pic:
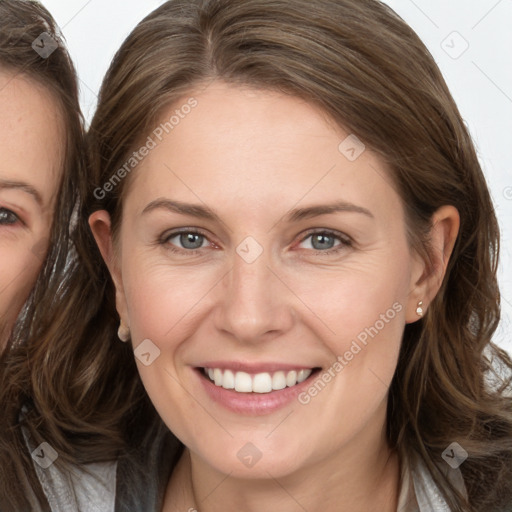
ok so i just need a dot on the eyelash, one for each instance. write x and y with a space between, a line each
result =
8 212
344 239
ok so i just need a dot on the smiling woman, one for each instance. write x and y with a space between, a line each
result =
317 226
41 147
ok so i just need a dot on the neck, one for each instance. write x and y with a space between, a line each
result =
346 482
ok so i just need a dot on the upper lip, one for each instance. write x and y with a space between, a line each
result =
254 368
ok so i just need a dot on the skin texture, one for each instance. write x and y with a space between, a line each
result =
31 137
252 156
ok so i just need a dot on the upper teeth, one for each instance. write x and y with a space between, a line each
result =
259 383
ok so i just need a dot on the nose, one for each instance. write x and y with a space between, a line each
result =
255 305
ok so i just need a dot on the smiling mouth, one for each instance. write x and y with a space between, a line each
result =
264 382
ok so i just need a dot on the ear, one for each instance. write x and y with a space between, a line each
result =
100 225
427 275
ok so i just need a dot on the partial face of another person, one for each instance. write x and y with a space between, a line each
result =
31 142
256 253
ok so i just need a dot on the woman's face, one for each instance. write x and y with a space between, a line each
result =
31 138
261 244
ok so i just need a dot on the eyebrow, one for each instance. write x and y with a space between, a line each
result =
194 210
325 209
25 187
204 212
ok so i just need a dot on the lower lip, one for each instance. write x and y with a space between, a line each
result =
252 404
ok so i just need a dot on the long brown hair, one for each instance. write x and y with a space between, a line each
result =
22 24
360 63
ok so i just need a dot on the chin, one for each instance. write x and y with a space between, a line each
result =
253 460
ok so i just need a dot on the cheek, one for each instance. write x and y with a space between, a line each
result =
362 313
360 300
163 299
351 390
163 306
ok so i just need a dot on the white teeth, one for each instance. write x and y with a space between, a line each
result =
262 383
303 375
217 377
259 383
228 381
291 378
278 380
243 382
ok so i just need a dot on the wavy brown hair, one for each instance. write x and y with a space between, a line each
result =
367 69
21 22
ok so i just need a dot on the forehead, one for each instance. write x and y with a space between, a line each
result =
31 133
262 147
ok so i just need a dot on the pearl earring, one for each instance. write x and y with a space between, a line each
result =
123 333
419 309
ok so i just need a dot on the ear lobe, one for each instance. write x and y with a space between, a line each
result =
443 235
100 225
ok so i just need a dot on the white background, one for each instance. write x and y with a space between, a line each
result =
480 79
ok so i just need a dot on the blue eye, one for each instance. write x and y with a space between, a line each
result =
322 241
186 241
325 242
8 218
